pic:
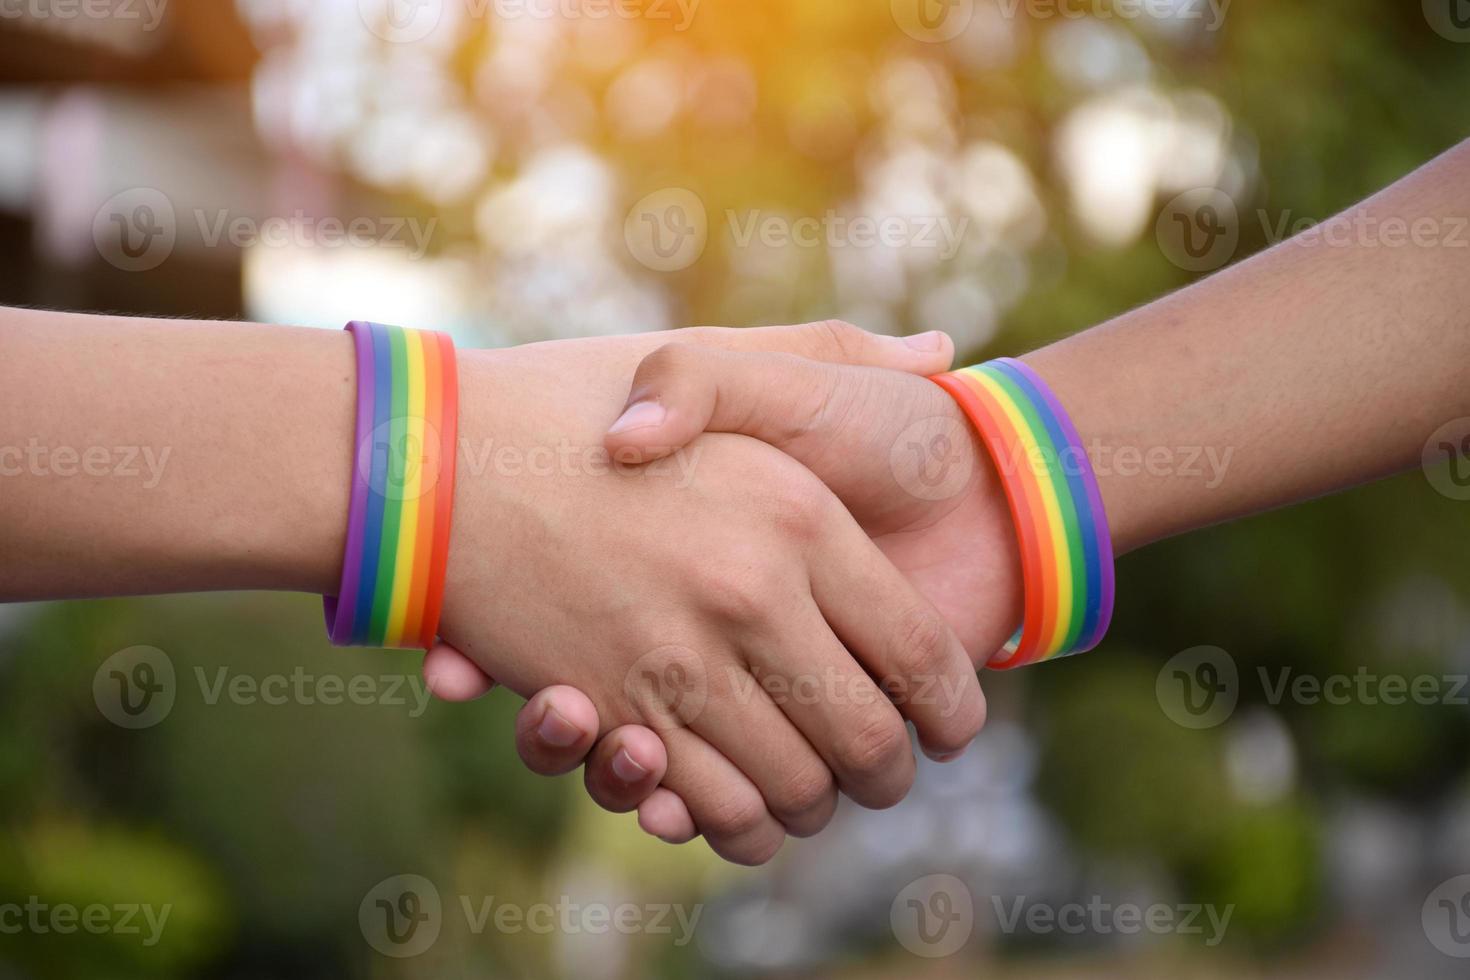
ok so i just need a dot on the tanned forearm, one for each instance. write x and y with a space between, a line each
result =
1319 364
146 456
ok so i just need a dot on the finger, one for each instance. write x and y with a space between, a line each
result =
726 806
743 720
625 767
451 676
835 342
555 730
838 708
898 635
665 816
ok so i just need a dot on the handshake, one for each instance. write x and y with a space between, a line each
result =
728 642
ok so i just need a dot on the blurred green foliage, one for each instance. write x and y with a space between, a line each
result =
264 825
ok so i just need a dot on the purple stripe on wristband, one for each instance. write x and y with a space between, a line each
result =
339 614
1103 535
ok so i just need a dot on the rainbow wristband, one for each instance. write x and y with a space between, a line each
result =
1066 550
402 490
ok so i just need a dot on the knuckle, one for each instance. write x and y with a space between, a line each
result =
840 340
922 644
668 360
737 597
877 746
806 791
738 816
799 509
953 733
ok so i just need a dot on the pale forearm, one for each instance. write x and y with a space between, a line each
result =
1322 363
145 456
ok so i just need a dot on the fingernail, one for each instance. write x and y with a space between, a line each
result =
556 730
639 415
626 769
927 342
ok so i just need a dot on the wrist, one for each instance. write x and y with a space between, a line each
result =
401 489
301 451
1144 496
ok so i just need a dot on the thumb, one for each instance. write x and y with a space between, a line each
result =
676 391
682 390
451 676
870 435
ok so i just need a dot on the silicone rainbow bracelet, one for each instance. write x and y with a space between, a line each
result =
1066 550
402 490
